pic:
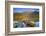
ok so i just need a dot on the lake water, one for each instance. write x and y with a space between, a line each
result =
22 24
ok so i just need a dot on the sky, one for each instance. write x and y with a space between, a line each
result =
21 10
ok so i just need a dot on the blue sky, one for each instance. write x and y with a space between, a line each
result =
21 10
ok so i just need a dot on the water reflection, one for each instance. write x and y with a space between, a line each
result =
18 24
37 24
